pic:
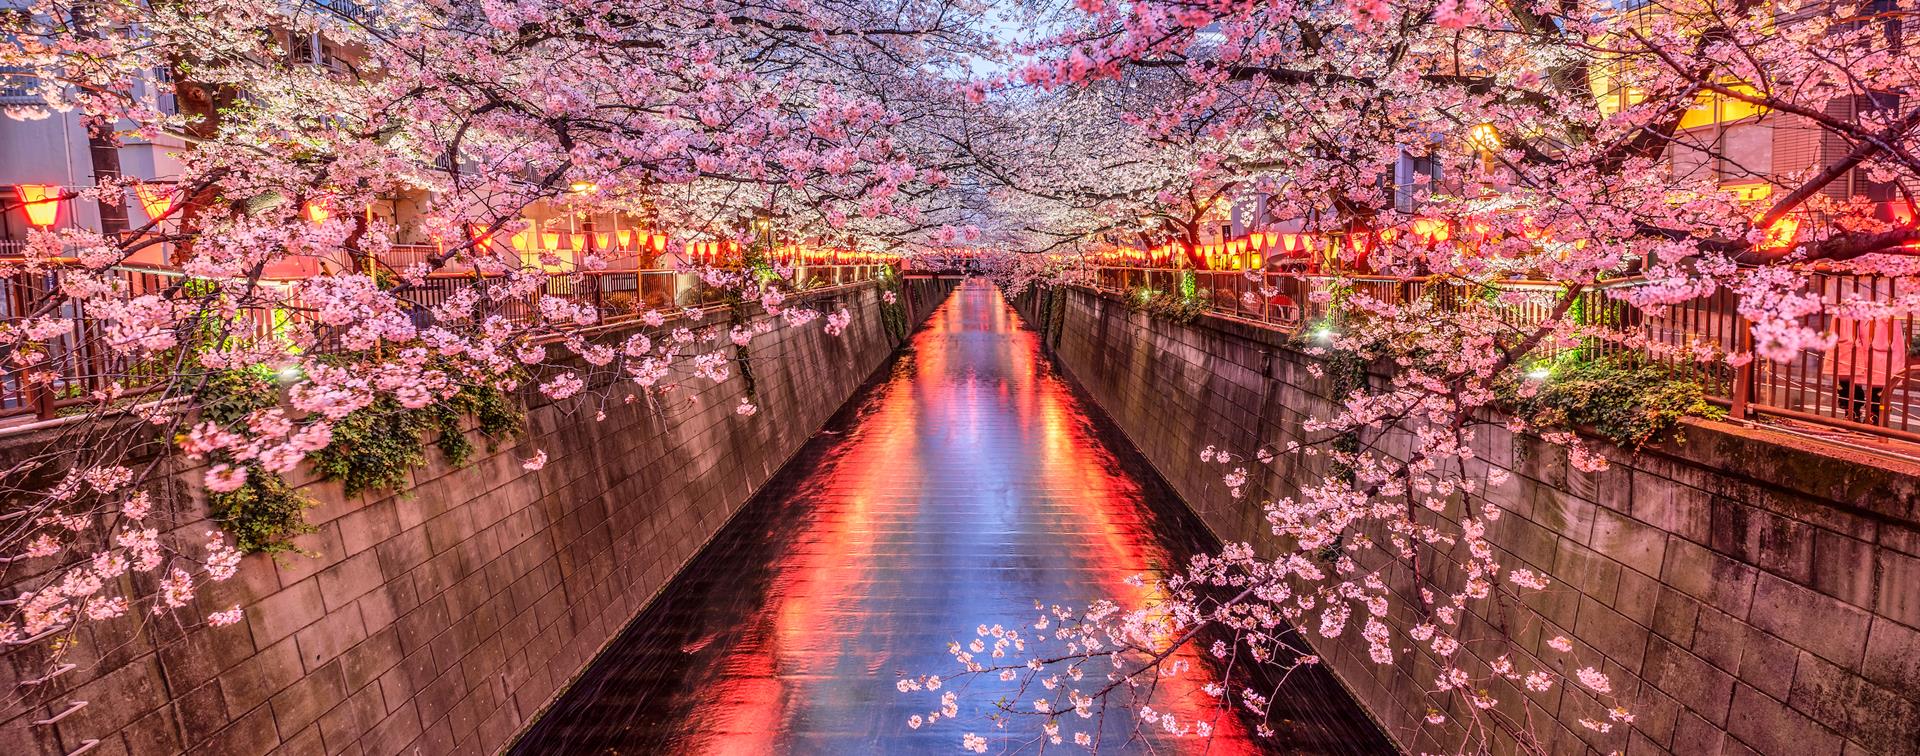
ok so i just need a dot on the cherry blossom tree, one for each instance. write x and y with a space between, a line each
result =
1582 146
182 350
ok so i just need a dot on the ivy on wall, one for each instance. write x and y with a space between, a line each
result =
372 447
1056 318
893 315
1631 403
264 514
743 353
375 446
1183 307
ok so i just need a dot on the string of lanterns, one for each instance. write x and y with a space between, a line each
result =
1260 249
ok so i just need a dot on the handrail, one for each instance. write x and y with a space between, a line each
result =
81 363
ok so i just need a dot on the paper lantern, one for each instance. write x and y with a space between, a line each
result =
577 241
603 240
483 241
317 212
550 241
521 240
625 236
41 203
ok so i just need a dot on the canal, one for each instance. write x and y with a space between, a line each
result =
967 483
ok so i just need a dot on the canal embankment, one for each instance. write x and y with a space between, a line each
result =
442 617
1748 591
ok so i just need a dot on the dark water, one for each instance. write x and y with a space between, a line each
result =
967 485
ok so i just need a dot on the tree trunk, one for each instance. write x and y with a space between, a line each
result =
103 148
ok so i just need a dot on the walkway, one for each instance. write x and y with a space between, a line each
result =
967 485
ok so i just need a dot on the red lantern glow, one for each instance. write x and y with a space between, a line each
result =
483 241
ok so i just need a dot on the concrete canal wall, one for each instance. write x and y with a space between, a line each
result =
443 617
1749 591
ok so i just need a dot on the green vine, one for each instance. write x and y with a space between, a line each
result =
1629 403
375 446
1347 373
264 514
1179 308
743 353
893 315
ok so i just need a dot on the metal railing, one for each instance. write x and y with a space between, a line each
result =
1869 382
80 361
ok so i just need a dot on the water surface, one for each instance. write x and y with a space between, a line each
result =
968 483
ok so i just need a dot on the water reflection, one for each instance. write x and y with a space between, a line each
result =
963 488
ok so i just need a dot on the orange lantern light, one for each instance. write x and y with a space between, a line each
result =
1780 235
625 235
577 241
317 212
521 240
659 243
1432 230
41 202
1257 240
156 202
603 240
550 241
483 241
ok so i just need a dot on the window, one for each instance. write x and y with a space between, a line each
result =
13 85
1746 153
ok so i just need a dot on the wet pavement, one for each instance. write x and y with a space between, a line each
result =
967 484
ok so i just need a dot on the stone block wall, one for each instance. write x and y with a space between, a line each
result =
1750 592
442 618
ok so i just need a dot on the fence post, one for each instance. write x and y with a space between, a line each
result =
40 395
1742 375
